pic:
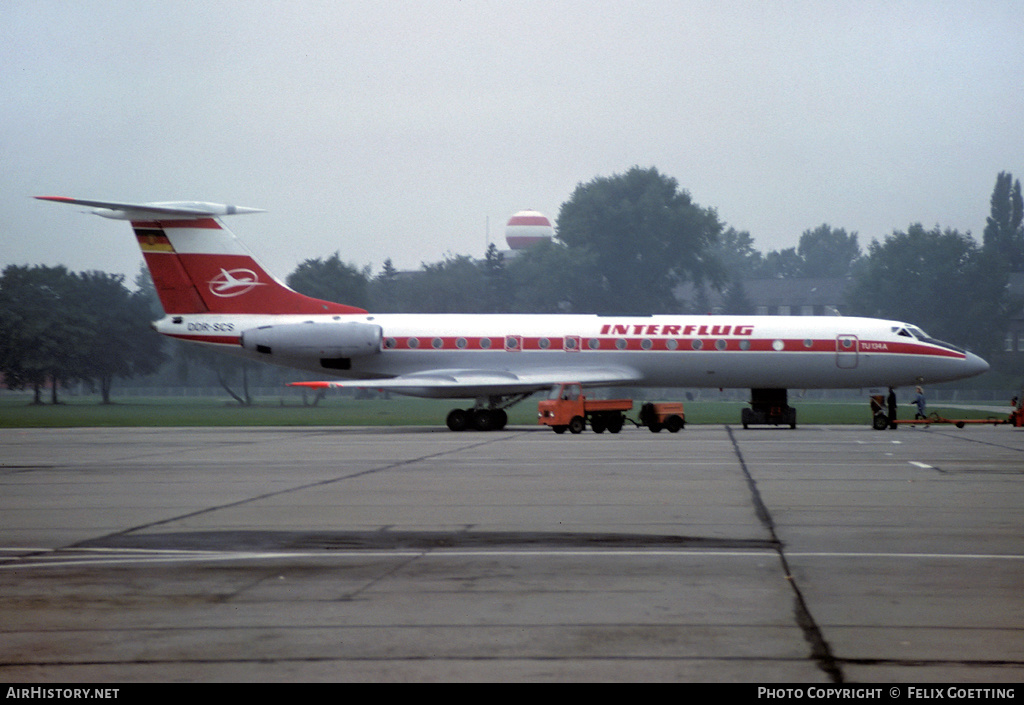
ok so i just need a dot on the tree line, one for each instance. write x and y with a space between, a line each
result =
624 245
59 327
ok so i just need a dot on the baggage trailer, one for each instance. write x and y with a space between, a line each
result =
568 409
880 419
666 415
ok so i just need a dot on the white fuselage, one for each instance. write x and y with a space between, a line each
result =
653 351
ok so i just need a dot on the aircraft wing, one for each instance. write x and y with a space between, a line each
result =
469 383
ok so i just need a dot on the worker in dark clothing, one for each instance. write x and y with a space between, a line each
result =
891 401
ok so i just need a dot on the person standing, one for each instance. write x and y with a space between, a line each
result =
920 403
891 402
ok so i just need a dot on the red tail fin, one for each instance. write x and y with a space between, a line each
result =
198 266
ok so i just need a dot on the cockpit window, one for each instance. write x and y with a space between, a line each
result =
917 334
910 332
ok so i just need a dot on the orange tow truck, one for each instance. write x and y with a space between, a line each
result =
569 409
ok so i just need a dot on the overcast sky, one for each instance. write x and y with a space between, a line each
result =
415 129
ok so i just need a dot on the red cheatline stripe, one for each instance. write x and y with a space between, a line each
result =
706 344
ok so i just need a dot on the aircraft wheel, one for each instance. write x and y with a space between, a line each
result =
482 419
458 420
577 424
500 418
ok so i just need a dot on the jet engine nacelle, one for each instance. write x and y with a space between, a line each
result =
317 340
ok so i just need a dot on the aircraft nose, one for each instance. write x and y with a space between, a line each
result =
975 365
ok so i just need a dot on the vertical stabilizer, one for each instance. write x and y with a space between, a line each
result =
199 266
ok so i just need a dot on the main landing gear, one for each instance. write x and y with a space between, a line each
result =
487 415
477 419
769 406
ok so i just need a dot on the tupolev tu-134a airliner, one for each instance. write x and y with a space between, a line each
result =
214 292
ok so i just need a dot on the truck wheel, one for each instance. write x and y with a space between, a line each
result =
673 424
615 423
655 427
598 424
880 422
559 429
577 424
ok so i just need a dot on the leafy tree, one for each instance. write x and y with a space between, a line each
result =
827 252
735 251
496 281
332 280
1004 234
56 326
643 235
36 330
455 285
384 289
551 278
939 280
735 301
118 341
823 252
782 264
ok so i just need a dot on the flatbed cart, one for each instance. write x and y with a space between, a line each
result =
880 420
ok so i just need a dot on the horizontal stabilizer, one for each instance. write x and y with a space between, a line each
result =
199 266
169 210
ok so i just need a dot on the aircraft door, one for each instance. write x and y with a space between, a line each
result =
846 352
